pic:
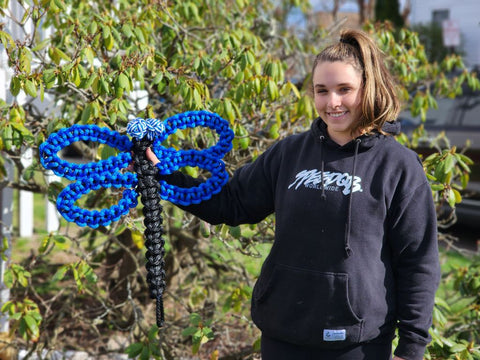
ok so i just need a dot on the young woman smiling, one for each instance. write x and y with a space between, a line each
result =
355 260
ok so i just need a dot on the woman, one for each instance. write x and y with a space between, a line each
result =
355 254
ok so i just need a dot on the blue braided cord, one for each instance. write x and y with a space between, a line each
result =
193 119
64 137
94 218
197 194
139 128
106 173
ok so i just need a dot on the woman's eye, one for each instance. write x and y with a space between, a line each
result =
321 91
345 89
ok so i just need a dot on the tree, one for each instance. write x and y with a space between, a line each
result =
431 36
366 10
388 10
98 64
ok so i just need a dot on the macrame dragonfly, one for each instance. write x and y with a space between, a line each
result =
108 173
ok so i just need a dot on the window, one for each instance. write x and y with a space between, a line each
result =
439 15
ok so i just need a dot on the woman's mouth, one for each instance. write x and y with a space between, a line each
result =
336 114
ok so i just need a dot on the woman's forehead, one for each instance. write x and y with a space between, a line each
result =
336 73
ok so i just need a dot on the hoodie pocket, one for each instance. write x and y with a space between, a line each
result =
306 307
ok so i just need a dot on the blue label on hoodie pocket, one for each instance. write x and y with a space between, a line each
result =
334 335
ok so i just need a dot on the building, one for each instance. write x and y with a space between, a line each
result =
463 17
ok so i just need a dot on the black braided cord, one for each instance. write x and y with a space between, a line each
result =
149 189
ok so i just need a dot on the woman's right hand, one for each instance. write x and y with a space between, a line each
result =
152 157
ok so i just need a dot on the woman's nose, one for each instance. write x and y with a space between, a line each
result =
334 100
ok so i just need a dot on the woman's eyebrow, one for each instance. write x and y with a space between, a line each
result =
340 84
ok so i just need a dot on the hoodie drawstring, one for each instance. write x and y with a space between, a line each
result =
323 196
348 250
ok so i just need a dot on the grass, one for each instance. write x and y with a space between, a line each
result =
22 246
450 261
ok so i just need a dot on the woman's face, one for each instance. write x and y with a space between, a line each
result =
338 94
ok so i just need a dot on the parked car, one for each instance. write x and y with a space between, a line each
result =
459 118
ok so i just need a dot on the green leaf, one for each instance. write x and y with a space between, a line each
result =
60 274
465 178
127 30
8 279
145 354
47 240
15 316
89 54
458 196
42 91
153 333
244 142
273 132
272 90
30 88
134 350
87 110
61 242
449 163
5 38
195 319
123 81
439 172
15 86
62 55
191 171
195 347
60 4
457 348
7 137
139 34
437 187
31 324
235 231
465 159
29 172
41 45
4 248
20 127
49 78
228 110
109 42
197 98
451 198
189 331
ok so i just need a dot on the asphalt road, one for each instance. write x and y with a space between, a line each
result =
468 237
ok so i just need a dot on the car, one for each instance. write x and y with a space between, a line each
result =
459 118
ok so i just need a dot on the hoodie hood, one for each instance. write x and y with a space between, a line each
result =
319 130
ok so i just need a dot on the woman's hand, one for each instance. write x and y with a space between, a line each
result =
151 156
398 358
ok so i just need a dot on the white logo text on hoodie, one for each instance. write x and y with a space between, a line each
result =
332 181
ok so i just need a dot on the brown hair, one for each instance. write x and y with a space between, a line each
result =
380 102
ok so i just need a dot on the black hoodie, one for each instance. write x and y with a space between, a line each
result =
351 261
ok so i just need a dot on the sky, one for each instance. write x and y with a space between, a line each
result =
348 6
318 5
296 15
